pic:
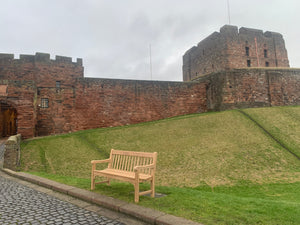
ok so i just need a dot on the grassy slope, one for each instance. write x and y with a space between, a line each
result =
217 157
282 122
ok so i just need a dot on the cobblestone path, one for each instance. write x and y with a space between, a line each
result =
20 204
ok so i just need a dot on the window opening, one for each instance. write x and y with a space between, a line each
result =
57 84
266 53
247 51
44 103
267 64
249 63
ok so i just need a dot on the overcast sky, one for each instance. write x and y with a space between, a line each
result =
113 37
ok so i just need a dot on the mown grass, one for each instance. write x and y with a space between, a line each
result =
245 203
282 122
211 166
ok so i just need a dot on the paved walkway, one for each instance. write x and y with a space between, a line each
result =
25 203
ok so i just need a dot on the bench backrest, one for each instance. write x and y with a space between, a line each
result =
127 160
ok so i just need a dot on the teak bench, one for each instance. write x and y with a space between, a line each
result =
133 167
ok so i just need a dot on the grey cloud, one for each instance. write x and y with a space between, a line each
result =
113 37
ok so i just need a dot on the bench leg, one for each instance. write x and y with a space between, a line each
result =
152 188
136 192
92 182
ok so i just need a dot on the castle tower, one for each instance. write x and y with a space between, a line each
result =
232 48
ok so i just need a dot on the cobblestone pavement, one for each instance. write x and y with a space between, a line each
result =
22 205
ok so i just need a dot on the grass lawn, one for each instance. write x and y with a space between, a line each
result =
282 122
239 204
216 168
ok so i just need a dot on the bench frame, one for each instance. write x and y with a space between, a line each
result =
129 166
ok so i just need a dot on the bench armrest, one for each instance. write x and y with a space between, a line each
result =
100 161
137 168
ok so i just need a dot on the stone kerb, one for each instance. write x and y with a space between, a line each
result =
12 152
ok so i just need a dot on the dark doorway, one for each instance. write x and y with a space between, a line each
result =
8 120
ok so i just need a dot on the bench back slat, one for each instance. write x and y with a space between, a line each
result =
127 160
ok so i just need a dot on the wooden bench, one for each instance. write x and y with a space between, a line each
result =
129 166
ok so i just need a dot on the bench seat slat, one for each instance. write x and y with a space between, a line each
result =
122 173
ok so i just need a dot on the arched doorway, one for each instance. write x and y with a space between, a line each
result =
8 120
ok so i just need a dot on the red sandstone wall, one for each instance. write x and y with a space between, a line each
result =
244 88
103 102
11 69
41 69
21 96
284 87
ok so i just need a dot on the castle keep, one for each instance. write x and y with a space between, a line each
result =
231 49
43 96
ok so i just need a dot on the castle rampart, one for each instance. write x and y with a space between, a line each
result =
38 58
96 102
253 87
40 68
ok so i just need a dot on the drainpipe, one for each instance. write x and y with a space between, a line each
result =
258 65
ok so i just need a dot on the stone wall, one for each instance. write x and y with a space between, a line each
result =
245 88
108 102
12 152
21 96
41 69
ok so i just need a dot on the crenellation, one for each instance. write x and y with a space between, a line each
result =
5 58
39 58
270 34
229 30
27 58
250 32
63 59
79 61
42 57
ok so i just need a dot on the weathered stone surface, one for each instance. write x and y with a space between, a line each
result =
12 152
244 88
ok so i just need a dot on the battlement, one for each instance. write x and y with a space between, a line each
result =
39 58
233 30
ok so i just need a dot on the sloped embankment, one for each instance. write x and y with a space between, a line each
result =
211 148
